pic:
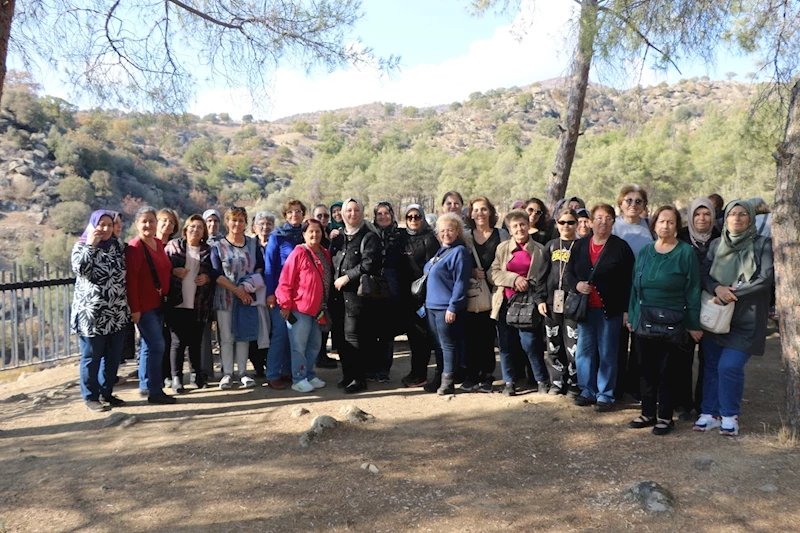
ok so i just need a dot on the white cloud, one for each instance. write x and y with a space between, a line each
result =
510 57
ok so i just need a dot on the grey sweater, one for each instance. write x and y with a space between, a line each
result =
749 323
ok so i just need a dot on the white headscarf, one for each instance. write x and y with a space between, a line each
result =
697 237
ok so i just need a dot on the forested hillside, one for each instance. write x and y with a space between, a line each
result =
57 163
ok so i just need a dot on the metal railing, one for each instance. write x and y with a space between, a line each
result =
35 312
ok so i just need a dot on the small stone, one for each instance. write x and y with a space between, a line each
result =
297 412
21 397
374 469
69 385
364 466
355 415
29 458
39 400
323 422
307 438
769 487
115 418
703 464
128 422
652 496
104 488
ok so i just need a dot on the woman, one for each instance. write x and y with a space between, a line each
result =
562 332
166 229
389 325
236 261
608 261
584 223
519 266
420 246
148 279
213 223
481 328
281 243
129 344
100 313
634 229
302 291
452 202
321 213
666 276
191 295
698 233
356 251
336 224
446 300
739 268
263 224
539 221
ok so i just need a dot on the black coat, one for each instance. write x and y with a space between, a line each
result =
348 260
700 250
613 277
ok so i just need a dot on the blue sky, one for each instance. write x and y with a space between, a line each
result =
447 53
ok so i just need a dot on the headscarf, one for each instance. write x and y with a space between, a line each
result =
348 229
735 255
336 225
392 226
423 221
208 212
701 239
559 205
94 220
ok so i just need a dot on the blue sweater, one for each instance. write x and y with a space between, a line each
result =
448 279
280 244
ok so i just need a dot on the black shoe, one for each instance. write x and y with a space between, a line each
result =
460 375
342 383
685 416
383 377
469 386
200 383
95 406
356 386
433 386
583 401
326 362
486 386
555 391
542 387
113 401
603 407
573 392
161 399
663 427
642 422
509 390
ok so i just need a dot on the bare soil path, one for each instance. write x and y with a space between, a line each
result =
230 461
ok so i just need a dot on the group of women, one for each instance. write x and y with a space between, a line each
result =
588 303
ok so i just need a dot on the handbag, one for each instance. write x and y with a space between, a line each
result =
419 286
479 297
372 286
163 298
658 322
522 311
715 318
576 304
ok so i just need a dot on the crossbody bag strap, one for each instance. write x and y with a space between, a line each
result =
313 262
153 272
599 257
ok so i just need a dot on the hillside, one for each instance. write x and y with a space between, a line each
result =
57 163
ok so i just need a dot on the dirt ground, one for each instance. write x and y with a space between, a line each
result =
230 461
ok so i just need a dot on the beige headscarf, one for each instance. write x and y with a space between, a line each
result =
352 230
697 237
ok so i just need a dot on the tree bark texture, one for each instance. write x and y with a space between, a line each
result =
568 140
786 245
6 15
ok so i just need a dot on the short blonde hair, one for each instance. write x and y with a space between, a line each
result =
453 220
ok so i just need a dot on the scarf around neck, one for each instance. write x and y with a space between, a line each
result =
698 238
736 256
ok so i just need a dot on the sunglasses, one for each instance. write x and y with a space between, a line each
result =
413 217
567 222
325 215
637 201
534 211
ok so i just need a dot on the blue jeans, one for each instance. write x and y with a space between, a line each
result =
279 357
305 340
99 363
514 344
597 376
151 352
723 380
448 339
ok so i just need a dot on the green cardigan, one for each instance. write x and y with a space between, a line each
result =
670 280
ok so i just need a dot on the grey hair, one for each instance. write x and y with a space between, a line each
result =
452 219
144 210
261 215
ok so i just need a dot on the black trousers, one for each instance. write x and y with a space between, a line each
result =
186 332
627 365
420 345
660 365
355 337
481 340
166 365
258 357
562 342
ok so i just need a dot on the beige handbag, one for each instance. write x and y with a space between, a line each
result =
479 295
715 318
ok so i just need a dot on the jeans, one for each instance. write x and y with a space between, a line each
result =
723 381
151 351
227 344
305 340
448 339
596 358
99 362
481 336
514 343
278 362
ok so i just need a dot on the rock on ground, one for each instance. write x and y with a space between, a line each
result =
123 420
355 415
297 412
652 496
319 425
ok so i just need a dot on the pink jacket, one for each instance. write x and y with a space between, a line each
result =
300 286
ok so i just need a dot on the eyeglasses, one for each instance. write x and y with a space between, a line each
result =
413 217
294 212
738 215
603 219
637 201
448 231
534 211
567 222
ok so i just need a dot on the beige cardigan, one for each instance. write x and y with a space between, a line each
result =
501 278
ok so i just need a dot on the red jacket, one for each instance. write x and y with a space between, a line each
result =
142 294
300 286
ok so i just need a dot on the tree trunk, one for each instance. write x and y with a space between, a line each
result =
568 140
786 244
6 15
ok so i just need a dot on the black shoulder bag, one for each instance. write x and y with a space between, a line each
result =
658 322
162 297
522 311
419 286
576 304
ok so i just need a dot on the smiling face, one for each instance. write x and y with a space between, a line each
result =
574 205
535 212
294 215
567 225
413 220
106 227
702 219
352 215
263 228
632 205
602 222
236 225
480 214
738 219
313 235
212 225
584 227
519 228
321 213
194 233
166 227
336 213
146 226
666 225
383 217
448 233
452 205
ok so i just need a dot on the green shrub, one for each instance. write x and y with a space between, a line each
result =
25 107
224 117
302 127
455 106
56 250
525 101
389 109
410 111
284 152
76 189
71 216
103 183
200 154
247 119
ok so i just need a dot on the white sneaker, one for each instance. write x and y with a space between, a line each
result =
730 426
225 382
706 423
303 386
247 382
316 383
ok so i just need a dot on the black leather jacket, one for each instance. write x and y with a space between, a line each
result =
352 259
